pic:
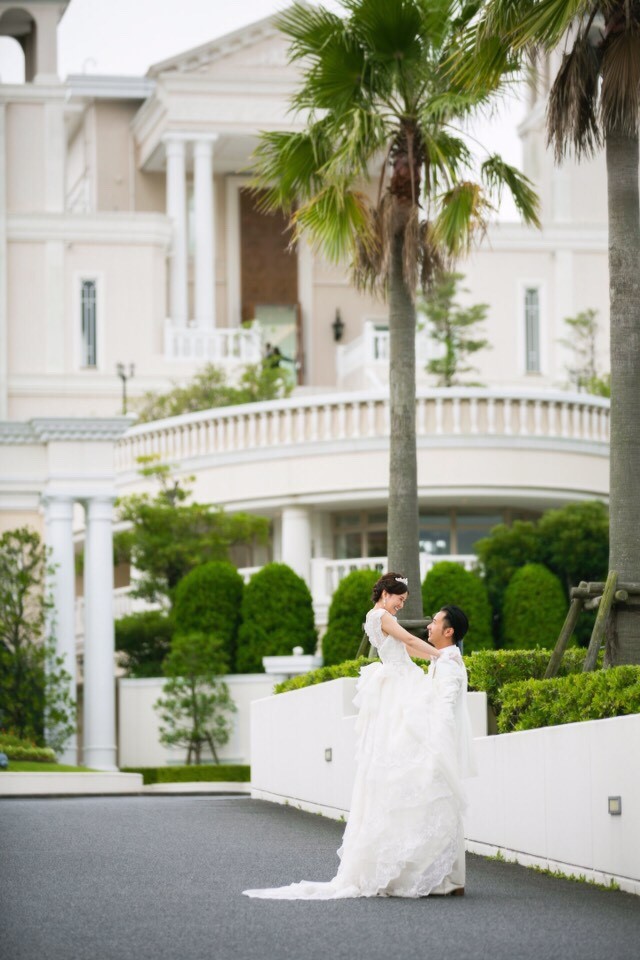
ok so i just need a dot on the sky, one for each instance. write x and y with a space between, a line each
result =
126 36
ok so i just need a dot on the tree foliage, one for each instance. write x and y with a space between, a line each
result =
449 582
534 608
35 694
347 611
195 704
277 615
168 537
208 600
210 388
454 329
143 640
582 341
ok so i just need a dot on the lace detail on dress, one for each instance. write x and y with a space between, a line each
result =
373 627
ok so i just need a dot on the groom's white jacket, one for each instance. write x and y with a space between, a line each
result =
450 726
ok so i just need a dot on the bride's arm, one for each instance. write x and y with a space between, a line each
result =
415 646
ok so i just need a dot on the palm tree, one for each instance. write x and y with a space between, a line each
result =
593 102
375 92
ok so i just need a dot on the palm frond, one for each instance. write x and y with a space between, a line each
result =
497 175
337 77
287 166
359 135
463 214
335 219
544 23
620 93
310 29
432 259
447 156
571 110
390 31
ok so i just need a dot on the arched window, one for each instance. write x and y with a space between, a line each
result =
17 46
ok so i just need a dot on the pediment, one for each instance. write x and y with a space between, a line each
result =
254 49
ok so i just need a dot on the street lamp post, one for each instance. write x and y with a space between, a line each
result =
124 376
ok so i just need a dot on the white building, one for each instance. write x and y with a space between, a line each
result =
127 235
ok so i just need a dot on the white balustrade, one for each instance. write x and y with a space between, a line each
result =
224 346
540 418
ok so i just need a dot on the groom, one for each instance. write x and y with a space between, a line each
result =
448 680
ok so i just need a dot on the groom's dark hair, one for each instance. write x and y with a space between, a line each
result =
457 619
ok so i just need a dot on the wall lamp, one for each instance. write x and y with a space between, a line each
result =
615 806
338 327
121 370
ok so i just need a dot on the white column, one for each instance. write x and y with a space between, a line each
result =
177 210
204 215
59 538
99 643
296 540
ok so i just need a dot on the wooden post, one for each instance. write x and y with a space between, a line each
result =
565 634
604 611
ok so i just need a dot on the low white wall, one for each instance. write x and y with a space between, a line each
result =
291 732
541 796
138 723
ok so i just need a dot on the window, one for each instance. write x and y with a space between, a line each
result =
89 355
435 534
360 534
532 329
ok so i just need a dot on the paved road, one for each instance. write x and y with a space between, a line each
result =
159 878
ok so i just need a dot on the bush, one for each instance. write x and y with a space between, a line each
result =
534 609
204 773
349 606
584 696
37 754
448 582
208 600
348 668
142 641
490 670
277 615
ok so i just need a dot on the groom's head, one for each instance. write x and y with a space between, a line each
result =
449 626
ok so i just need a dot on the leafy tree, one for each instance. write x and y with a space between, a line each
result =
143 640
277 615
208 600
449 582
347 611
376 83
450 326
35 688
210 388
583 342
195 703
168 537
574 542
534 608
593 102
505 550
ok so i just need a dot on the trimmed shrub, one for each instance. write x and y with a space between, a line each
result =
37 754
348 668
490 670
208 600
202 773
349 606
143 641
583 696
534 608
448 582
277 615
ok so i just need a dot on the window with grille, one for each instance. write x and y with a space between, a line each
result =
89 356
532 329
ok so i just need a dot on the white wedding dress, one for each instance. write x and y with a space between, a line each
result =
401 837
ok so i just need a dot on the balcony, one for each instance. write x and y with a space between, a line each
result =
221 346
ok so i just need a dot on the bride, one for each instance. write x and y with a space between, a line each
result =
404 832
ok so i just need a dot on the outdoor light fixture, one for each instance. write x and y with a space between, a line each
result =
121 370
338 327
615 806
328 755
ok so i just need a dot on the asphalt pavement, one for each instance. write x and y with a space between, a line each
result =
160 878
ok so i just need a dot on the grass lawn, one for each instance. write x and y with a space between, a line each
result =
30 766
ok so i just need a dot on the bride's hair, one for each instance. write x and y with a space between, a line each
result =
392 583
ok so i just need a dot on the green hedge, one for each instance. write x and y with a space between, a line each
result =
208 600
38 754
203 773
584 696
348 668
534 608
489 670
349 606
277 615
142 642
449 582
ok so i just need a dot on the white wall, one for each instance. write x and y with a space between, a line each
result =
540 795
138 734
290 733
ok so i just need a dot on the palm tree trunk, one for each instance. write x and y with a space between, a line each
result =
624 470
403 548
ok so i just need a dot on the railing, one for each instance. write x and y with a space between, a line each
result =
457 413
368 356
224 346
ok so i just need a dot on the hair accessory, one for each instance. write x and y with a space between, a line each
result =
403 580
